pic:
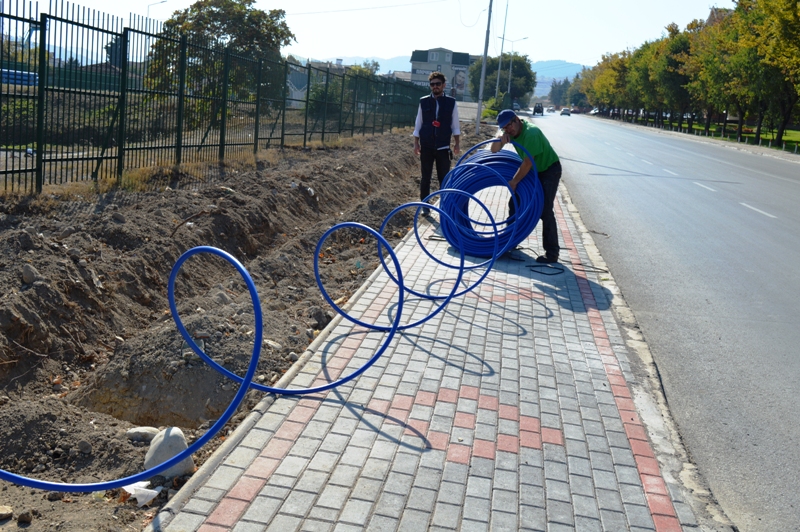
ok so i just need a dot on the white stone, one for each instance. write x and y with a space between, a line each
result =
141 433
164 446
29 274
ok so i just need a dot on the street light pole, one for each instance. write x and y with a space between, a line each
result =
154 4
511 63
483 70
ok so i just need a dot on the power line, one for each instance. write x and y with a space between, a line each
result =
461 16
363 8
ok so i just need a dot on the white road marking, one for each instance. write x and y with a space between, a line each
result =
667 171
629 153
758 210
705 187
646 161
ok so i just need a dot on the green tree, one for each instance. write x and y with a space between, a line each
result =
575 95
558 92
669 74
609 88
325 98
523 78
773 28
640 82
234 24
371 65
780 37
114 51
218 30
702 66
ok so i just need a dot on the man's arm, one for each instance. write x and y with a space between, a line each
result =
417 126
456 125
497 146
522 171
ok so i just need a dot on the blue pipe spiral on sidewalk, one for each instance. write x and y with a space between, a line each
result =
469 236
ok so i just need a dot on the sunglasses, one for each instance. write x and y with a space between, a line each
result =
435 83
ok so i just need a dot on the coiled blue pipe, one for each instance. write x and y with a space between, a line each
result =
216 427
471 175
479 171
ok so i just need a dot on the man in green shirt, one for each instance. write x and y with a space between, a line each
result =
548 166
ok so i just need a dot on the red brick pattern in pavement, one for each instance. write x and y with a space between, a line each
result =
398 410
664 515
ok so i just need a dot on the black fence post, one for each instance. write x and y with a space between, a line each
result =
257 129
285 95
383 104
308 99
355 105
41 102
181 100
325 109
341 103
123 100
223 124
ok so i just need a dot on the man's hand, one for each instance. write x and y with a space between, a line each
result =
416 146
457 148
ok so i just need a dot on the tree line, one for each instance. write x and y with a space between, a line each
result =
742 62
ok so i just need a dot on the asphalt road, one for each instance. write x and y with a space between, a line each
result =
703 240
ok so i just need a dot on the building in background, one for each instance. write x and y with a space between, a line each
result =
454 66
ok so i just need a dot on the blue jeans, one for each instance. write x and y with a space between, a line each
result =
549 180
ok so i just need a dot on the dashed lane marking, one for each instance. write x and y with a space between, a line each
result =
703 186
757 210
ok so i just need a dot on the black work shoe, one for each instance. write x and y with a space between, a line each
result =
426 212
544 259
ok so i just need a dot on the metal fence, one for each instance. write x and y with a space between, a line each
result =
86 97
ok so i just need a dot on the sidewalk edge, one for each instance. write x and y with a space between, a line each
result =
648 396
168 512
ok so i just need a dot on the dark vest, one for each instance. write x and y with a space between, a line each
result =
429 135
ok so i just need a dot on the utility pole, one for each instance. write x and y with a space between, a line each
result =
500 61
483 71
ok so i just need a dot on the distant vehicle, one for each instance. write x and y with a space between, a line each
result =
538 109
516 107
594 111
565 111
551 109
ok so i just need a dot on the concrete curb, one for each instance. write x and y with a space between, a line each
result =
648 395
171 509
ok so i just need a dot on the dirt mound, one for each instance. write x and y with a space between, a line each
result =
88 346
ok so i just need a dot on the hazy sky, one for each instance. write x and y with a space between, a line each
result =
579 31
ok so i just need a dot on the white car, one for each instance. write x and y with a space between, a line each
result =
565 111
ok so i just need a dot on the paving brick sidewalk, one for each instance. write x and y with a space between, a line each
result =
509 410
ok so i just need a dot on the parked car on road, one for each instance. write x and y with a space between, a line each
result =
565 111
551 109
